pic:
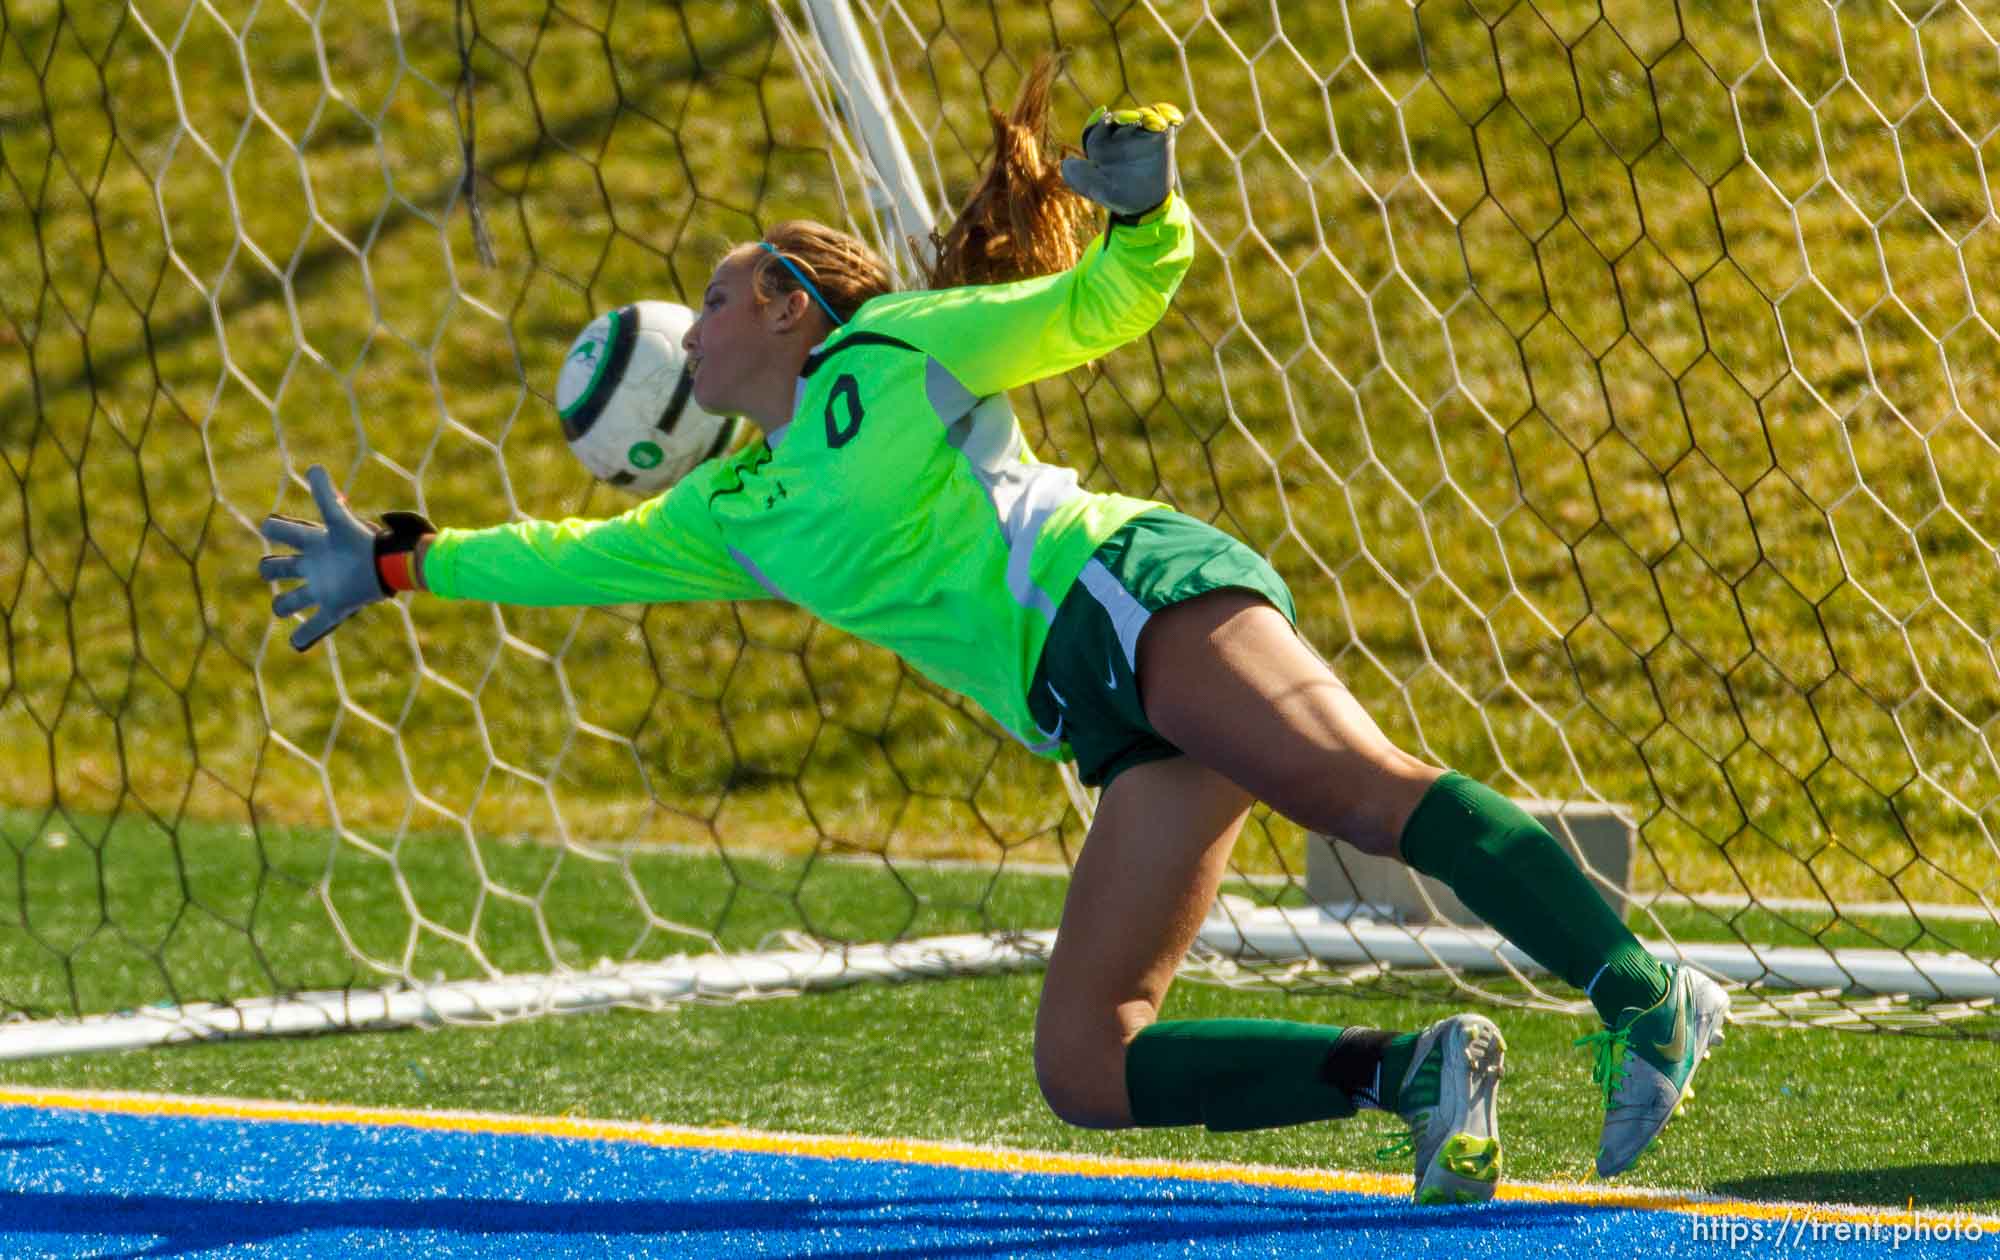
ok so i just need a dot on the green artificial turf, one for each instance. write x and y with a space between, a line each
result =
1799 1115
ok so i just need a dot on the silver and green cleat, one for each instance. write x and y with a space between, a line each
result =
1645 1066
1449 1098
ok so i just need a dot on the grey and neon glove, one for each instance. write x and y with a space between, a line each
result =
347 563
1128 160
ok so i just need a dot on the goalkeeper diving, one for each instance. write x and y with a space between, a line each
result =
893 495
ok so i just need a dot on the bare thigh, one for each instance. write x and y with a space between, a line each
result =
1150 867
1226 679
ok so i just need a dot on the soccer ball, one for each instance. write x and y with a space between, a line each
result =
623 395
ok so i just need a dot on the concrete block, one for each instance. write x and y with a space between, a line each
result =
1599 837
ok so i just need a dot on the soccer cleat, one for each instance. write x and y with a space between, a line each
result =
1449 1100
1645 1066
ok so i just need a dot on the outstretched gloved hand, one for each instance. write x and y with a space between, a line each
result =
347 563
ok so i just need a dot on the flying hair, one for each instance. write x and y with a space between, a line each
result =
1020 221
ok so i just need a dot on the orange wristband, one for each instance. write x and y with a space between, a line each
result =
394 570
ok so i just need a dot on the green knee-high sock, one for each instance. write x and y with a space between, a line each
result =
1510 871
1235 1074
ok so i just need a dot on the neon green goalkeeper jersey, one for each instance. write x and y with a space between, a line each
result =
901 502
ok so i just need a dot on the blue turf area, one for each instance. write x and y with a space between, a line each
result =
83 1183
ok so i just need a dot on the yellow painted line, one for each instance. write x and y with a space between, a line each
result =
943 1154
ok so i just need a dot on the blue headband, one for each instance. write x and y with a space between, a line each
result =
801 276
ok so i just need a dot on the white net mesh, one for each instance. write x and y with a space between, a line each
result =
1613 385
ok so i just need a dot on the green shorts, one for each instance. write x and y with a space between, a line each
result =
1086 679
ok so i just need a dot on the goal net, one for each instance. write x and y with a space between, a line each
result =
1613 384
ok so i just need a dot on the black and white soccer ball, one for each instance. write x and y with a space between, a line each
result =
625 398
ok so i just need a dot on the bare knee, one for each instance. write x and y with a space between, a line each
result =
1083 1084
1080 1066
1080 1098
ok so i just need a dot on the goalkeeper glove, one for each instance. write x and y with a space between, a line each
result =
1128 160
347 563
